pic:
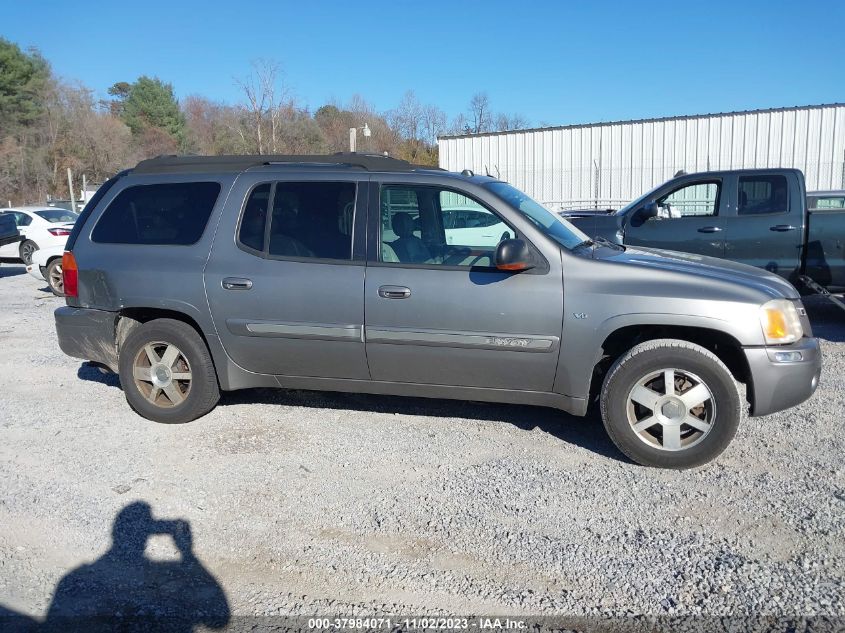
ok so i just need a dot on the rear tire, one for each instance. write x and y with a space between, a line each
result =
167 373
682 426
53 275
26 251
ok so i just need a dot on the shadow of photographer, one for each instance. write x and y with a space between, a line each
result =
124 590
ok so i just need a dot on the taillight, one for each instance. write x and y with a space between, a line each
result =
70 275
59 232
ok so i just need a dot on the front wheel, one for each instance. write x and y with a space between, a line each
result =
670 404
167 373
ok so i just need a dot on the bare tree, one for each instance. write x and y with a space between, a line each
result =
505 122
407 118
433 123
479 113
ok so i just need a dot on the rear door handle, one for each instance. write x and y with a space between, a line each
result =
236 283
394 292
709 229
781 228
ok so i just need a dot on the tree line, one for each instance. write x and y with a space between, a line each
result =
49 124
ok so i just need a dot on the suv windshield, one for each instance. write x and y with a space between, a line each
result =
58 215
553 226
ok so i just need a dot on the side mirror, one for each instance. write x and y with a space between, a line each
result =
651 210
645 213
513 256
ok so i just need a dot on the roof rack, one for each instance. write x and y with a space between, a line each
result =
183 164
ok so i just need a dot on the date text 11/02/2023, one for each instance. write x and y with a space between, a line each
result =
418 623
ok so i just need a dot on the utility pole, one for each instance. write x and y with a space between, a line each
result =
84 196
353 136
70 189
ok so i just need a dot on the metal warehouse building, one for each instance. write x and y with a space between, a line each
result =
609 164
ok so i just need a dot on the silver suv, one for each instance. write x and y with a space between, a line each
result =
192 275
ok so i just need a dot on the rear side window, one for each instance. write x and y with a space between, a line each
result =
759 195
172 214
300 220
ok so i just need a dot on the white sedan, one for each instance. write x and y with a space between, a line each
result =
47 265
39 227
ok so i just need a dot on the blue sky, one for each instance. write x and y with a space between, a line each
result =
554 62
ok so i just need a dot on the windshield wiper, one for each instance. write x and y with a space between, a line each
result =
606 242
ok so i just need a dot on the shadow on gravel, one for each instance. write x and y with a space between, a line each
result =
587 432
90 372
827 319
11 271
124 590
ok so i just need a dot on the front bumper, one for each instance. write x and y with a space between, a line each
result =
35 271
87 334
777 384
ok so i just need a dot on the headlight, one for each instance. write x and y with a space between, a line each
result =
780 322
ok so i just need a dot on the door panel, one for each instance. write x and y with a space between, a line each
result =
439 313
458 327
301 315
689 222
766 226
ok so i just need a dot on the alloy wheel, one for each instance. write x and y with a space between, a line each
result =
162 374
671 409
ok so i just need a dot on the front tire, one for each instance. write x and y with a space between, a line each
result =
670 404
27 250
167 373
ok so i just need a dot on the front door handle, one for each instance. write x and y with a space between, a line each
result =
394 292
236 283
782 228
709 229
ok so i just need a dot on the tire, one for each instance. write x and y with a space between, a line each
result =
53 275
26 250
652 426
158 394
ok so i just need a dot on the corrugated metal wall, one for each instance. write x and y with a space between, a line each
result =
609 164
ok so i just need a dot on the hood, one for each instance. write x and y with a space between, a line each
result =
711 271
602 224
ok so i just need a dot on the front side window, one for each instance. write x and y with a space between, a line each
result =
759 195
162 214
300 219
694 200
427 225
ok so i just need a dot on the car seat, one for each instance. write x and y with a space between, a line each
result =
408 247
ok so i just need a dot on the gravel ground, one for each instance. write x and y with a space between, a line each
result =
321 503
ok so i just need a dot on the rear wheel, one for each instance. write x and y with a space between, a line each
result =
670 404
27 250
167 373
53 275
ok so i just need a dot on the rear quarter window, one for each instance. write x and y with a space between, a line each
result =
168 214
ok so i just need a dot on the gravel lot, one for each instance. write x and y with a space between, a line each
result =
321 503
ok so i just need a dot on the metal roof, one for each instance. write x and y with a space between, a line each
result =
191 164
653 120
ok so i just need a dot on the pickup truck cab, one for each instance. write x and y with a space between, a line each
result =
193 275
756 217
